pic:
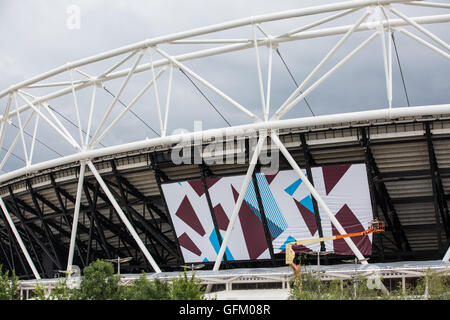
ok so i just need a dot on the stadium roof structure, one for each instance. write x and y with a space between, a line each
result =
101 201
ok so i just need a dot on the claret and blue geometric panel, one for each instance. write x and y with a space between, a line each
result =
286 203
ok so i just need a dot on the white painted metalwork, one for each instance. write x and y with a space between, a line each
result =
124 218
87 148
237 206
447 255
316 196
19 239
76 214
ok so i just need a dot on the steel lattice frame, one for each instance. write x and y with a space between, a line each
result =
87 144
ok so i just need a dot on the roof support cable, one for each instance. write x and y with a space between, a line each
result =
71 122
400 67
132 112
15 155
293 79
38 140
204 96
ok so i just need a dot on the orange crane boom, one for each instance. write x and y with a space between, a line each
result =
374 226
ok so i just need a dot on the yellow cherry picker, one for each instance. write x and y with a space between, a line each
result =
374 226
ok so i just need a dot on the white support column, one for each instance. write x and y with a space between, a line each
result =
76 215
283 110
420 28
55 118
127 108
269 80
155 88
238 204
91 112
425 43
5 120
67 138
317 23
209 85
123 217
169 91
16 139
318 198
258 67
115 66
34 139
77 110
387 57
24 145
19 239
116 98
288 101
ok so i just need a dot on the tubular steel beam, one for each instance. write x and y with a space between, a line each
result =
152 231
319 199
13 247
123 217
26 228
47 230
102 222
19 239
76 215
237 206
66 216
32 226
308 162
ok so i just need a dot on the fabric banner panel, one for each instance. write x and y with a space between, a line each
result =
194 226
345 190
288 208
192 220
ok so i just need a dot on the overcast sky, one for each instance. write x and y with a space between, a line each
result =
36 38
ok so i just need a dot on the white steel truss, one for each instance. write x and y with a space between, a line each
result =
87 148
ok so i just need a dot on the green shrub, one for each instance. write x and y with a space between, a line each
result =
98 282
434 286
187 288
144 289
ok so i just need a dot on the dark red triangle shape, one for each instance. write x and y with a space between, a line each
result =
186 242
211 181
308 217
197 185
221 217
332 175
351 224
270 177
186 213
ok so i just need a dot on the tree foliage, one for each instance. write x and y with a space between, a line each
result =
144 289
98 283
9 286
187 288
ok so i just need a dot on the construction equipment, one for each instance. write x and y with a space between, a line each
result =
374 226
